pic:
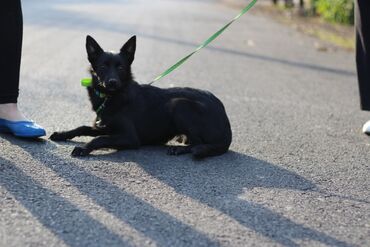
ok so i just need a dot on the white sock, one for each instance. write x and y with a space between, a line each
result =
366 128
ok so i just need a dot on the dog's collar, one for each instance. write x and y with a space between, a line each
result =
88 82
100 94
101 107
100 82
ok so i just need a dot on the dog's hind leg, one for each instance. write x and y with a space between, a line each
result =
191 141
178 150
205 150
80 131
199 151
183 139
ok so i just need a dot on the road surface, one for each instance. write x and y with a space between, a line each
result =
297 173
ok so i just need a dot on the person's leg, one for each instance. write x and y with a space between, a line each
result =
363 51
11 30
363 55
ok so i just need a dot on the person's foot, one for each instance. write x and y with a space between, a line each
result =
14 122
366 128
11 112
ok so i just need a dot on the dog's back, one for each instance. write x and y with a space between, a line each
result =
197 114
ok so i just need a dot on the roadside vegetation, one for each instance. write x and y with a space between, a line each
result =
337 11
329 20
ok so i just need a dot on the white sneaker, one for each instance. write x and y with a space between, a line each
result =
366 128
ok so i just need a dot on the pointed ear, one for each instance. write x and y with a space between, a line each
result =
93 49
128 49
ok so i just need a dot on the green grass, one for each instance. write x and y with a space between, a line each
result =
348 43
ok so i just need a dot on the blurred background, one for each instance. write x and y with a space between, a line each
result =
331 21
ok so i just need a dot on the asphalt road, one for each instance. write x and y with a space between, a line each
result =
297 173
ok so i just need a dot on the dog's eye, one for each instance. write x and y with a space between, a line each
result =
102 67
121 68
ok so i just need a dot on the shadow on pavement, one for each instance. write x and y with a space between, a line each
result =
73 226
159 226
216 182
88 23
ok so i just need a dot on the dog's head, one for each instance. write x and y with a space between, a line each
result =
113 70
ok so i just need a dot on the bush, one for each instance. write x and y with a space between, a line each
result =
341 11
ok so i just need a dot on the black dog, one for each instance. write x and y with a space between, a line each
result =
131 115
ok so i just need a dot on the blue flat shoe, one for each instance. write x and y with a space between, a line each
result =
26 129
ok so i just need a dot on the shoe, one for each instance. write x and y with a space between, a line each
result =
366 128
26 129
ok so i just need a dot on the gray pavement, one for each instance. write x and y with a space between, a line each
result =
297 173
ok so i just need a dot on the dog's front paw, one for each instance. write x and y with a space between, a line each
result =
58 136
80 152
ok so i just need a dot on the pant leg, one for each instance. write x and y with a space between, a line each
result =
363 51
11 32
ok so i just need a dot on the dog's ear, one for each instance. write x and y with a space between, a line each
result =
128 49
93 49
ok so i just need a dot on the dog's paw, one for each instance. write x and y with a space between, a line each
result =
80 152
171 151
183 139
58 136
178 150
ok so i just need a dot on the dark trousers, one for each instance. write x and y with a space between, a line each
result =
363 51
11 32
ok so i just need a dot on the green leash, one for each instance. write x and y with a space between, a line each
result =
205 43
86 82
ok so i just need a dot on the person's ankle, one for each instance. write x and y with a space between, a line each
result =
11 112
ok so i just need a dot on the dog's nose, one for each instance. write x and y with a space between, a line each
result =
112 83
